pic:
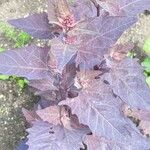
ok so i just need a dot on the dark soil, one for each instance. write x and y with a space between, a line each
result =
12 123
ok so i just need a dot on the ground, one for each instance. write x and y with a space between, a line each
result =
12 123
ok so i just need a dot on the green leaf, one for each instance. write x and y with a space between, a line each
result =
9 31
146 46
4 77
2 49
148 81
146 64
22 83
146 74
22 39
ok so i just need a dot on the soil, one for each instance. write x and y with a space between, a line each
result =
12 123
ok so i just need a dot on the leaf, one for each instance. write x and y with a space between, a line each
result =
22 39
2 49
44 103
99 35
31 116
51 114
86 77
128 82
4 77
60 55
29 62
146 46
22 83
58 115
125 7
69 74
148 81
111 7
94 142
51 95
36 25
93 107
83 9
146 64
8 31
46 136
43 84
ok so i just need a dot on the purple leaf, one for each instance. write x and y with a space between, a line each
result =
44 103
93 107
69 73
60 55
97 143
58 115
31 116
29 62
43 84
128 82
125 7
83 9
36 25
49 95
99 35
51 114
46 136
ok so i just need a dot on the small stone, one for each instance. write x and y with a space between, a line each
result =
1 96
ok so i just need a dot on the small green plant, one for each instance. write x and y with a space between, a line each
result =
146 65
20 39
146 61
2 49
146 46
4 77
148 80
21 82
